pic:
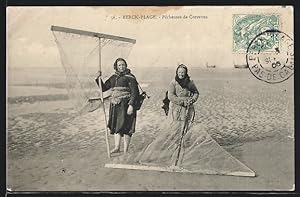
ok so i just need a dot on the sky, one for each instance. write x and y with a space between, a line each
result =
160 42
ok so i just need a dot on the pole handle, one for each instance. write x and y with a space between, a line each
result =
106 129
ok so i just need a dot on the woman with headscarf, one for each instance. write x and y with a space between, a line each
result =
165 150
122 113
182 94
184 145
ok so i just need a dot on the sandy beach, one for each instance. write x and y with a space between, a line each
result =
51 148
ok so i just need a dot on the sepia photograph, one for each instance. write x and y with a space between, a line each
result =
150 98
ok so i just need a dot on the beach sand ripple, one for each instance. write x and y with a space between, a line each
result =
51 147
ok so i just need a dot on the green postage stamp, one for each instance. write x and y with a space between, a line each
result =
246 26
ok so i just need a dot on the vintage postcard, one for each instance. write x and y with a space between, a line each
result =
187 98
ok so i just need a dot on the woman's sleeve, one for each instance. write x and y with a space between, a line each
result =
195 91
173 97
134 90
105 86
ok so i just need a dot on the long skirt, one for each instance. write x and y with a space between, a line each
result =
119 121
184 145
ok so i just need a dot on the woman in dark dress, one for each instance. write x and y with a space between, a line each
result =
183 145
122 114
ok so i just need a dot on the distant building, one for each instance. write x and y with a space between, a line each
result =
241 66
239 61
210 66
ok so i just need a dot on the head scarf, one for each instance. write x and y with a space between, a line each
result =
184 81
116 63
127 71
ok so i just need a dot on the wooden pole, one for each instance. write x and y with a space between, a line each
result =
185 127
102 101
250 173
91 34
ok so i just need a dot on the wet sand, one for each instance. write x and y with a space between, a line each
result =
51 148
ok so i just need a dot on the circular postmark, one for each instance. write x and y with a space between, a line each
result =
270 56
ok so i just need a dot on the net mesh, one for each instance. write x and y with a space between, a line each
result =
194 152
82 57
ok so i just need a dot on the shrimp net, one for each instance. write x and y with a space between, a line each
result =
185 147
82 55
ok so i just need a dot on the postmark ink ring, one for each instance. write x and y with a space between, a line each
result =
270 56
